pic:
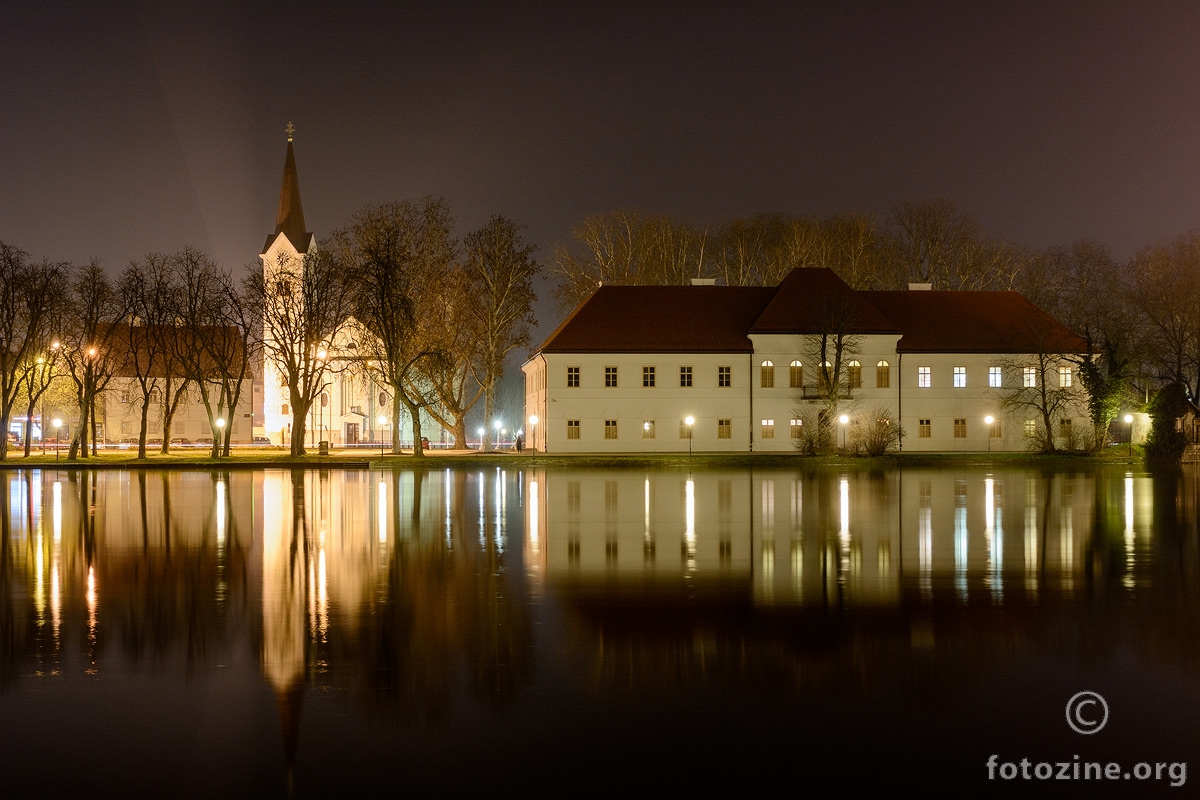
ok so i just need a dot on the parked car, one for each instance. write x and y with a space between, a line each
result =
182 440
205 441
261 441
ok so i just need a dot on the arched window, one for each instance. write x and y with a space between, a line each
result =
768 374
854 375
883 377
796 379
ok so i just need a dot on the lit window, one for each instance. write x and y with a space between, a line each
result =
924 377
854 375
768 374
685 376
724 429
883 376
572 429
1064 377
610 376
572 377
768 429
924 429
797 427
994 377
685 430
647 429
796 375
610 429
724 376
960 428
1030 428
648 377
997 430
960 377
1029 374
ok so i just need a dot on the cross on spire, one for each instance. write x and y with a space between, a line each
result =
290 130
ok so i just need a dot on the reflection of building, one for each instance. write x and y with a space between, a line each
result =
631 364
819 538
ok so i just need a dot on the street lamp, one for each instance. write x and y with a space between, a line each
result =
220 433
1129 422
690 421
381 420
496 425
533 421
843 419
57 436
989 419
481 431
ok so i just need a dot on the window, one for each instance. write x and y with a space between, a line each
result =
997 430
924 429
685 430
724 376
724 429
610 376
1064 429
685 376
284 406
1029 375
924 377
854 375
1030 428
572 429
610 429
768 374
647 429
960 428
960 377
994 377
648 377
796 375
797 427
572 377
1064 377
768 429
883 376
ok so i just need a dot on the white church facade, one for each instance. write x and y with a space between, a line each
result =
632 364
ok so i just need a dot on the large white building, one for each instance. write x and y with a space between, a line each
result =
625 371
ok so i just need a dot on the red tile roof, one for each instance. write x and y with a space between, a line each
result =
973 322
661 319
809 300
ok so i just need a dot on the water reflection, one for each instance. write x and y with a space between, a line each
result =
422 597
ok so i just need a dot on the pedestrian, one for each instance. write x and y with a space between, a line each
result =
520 443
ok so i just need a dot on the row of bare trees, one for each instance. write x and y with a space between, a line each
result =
395 300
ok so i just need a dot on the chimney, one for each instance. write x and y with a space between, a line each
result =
920 287
704 281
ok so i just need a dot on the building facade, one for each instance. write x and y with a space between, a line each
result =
628 368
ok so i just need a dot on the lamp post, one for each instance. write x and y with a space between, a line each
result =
690 421
481 432
989 419
381 420
220 443
1129 422
57 436
496 425
843 419
533 421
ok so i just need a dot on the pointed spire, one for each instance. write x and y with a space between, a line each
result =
290 221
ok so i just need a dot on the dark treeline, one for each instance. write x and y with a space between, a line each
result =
1140 316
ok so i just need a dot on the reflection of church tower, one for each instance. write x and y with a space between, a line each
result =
288 244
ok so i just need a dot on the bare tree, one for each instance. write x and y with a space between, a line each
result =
147 294
934 242
301 307
28 292
1166 292
500 269
90 350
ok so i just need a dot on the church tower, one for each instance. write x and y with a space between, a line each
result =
288 244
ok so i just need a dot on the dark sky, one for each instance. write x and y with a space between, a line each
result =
128 128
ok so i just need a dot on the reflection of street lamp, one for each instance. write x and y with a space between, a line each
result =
989 419
690 421
843 419
1129 422
57 435
533 421
381 420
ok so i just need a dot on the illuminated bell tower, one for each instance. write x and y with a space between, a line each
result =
288 244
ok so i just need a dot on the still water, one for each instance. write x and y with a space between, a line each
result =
363 633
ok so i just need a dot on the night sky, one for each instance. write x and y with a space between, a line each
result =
130 128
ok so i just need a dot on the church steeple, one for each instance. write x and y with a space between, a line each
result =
290 220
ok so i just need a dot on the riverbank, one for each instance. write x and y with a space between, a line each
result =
266 458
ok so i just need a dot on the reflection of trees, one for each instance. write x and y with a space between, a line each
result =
447 616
